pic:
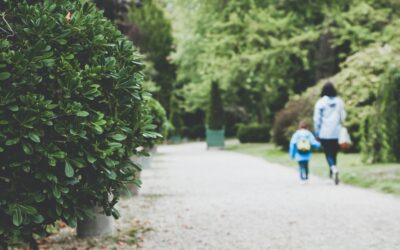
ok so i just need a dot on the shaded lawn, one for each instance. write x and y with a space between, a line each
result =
382 177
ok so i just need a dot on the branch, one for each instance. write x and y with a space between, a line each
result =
10 31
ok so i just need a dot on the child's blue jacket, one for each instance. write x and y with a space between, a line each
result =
300 134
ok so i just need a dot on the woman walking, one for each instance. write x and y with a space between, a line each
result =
329 114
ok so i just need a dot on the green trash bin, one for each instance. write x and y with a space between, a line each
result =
215 138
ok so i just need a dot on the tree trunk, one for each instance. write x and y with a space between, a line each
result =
325 57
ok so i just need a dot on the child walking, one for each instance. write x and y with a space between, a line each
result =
300 148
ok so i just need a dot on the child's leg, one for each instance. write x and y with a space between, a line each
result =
331 148
302 168
306 169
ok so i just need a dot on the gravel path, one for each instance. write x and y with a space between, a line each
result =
198 199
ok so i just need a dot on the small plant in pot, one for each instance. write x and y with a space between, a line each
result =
215 133
71 116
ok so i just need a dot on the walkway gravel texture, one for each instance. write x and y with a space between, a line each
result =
193 198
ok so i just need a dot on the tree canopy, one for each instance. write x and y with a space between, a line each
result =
264 52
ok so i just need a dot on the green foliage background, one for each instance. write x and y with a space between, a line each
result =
151 32
264 53
381 129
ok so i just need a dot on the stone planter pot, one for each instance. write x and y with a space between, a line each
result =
143 161
153 150
100 225
215 138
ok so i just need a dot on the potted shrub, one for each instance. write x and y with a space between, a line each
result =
215 119
70 118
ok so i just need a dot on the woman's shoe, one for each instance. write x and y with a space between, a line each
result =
303 182
335 174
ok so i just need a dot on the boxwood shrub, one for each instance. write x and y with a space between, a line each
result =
253 133
71 106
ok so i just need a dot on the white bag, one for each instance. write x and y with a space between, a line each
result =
344 139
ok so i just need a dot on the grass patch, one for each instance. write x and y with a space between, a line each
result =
381 177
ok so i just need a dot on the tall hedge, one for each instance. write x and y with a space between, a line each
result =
215 115
381 130
70 115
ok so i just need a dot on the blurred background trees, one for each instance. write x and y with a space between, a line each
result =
151 32
270 58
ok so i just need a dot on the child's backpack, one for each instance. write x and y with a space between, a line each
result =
303 145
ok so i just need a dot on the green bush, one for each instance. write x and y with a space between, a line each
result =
381 130
287 120
70 118
158 118
215 115
253 133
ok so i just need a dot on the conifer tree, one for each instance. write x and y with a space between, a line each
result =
215 116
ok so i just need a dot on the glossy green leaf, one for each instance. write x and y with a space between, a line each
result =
56 192
4 76
69 170
34 136
119 137
17 216
11 142
38 219
82 114
28 149
14 108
